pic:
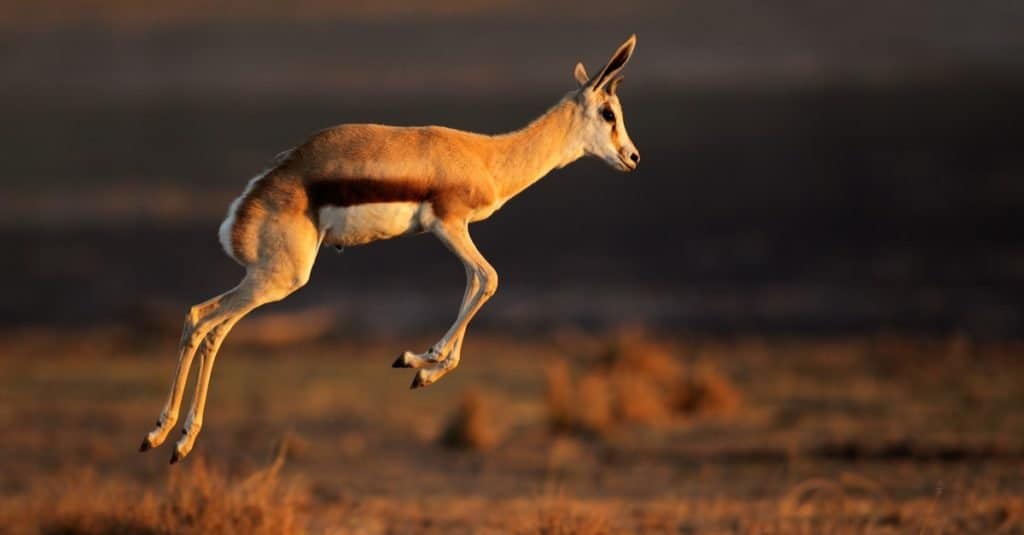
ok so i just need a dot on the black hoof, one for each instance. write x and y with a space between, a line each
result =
175 457
145 445
400 362
417 382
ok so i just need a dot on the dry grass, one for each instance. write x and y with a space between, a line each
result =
472 426
635 380
198 500
559 395
812 507
878 435
559 515
706 390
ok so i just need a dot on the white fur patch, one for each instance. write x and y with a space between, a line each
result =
364 223
224 233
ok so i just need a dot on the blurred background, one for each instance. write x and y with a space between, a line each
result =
808 167
827 211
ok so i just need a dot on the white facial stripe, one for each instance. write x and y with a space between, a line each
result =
607 141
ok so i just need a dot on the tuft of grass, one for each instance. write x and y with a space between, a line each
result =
638 399
472 425
197 500
559 395
635 380
706 390
593 405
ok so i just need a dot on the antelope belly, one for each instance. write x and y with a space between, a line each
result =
364 223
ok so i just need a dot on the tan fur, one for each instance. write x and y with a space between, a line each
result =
349 176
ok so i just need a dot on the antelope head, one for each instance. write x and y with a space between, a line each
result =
602 126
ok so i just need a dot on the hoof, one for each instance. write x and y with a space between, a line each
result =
175 457
400 362
145 445
418 382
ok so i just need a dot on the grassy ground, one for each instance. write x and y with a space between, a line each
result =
876 434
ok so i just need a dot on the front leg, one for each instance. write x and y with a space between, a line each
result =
435 355
481 283
431 374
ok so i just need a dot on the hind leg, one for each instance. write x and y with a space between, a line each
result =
186 351
255 291
288 248
283 268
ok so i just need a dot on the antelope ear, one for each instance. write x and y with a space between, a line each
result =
581 74
618 61
613 85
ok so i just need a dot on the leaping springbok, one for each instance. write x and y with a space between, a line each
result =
358 183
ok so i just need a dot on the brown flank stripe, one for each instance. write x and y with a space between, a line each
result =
282 193
355 191
446 198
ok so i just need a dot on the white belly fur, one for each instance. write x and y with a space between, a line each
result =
364 223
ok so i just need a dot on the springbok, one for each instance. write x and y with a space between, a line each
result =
358 183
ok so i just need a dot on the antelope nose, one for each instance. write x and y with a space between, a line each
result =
635 157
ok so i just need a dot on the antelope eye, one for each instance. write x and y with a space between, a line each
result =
608 115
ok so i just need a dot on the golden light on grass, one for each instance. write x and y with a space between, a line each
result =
635 380
559 395
592 408
558 515
706 390
198 500
836 436
472 426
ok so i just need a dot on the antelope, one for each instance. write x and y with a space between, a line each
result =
357 183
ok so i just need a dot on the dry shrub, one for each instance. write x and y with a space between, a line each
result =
639 399
633 352
593 406
707 391
635 380
559 395
471 427
198 500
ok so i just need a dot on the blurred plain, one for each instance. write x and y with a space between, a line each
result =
808 166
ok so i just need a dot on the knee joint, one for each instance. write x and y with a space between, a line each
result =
192 318
489 282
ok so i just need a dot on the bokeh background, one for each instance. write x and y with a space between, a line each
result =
828 190
811 166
